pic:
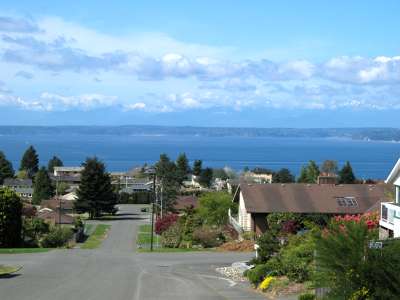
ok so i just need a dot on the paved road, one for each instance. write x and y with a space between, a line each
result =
116 272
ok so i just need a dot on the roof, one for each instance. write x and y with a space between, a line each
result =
17 182
68 169
54 217
69 197
310 198
183 202
54 204
394 174
23 190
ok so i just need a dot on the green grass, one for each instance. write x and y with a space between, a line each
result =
98 235
6 270
23 250
144 235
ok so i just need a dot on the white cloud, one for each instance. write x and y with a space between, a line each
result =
135 106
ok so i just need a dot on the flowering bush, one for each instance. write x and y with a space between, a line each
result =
162 224
369 219
264 285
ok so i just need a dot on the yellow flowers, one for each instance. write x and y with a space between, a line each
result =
264 285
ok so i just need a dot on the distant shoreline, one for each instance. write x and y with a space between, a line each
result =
367 134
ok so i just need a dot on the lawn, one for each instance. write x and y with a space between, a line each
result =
23 250
144 236
98 235
6 270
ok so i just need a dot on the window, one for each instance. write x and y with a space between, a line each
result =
346 201
384 212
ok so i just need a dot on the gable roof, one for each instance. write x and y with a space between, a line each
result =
183 202
17 182
394 174
310 198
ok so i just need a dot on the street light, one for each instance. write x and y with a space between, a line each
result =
152 172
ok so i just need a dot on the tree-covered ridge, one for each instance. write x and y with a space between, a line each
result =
382 134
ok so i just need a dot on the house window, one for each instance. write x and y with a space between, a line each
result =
346 201
384 213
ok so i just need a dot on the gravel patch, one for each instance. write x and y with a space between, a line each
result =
235 271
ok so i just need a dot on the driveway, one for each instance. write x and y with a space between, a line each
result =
116 272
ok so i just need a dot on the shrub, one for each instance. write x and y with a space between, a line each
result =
269 245
57 237
265 284
171 238
296 258
208 237
162 224
213 208
257 274
306 296
33 229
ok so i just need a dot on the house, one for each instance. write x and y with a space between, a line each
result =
185 202
67 171
192 181
54 204
23 187
54 217
389 223
131 186
257 177
256 201
327 178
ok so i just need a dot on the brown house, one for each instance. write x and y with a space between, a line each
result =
256 201
184 202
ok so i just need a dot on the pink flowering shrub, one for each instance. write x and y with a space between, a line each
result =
369 219
164 223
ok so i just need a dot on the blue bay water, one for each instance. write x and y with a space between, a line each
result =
369 159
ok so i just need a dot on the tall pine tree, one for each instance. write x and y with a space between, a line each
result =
346 174
6 168
167 175
197 167
95 192
54 162
183 168
42 186
30 162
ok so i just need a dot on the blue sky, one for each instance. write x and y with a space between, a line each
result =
209 63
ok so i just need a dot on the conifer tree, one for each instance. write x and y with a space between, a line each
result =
346 174
197 167
182 165
42 187
54 162
303 175
95 192
167 175
30 162
6 168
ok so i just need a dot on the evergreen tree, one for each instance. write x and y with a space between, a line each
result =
168 176
283 176
10 219
30 162
197 167
312 172
206 176
6 169
346 174
54 162
95 192
303 175
183 168
42 186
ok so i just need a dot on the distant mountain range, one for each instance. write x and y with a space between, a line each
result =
374 134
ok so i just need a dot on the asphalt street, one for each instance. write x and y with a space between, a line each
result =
116 272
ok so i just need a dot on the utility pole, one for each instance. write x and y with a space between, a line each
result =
152 211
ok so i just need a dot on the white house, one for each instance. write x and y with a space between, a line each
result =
390 211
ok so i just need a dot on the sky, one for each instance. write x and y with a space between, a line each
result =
200 63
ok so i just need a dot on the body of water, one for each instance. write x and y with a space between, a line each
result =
120 153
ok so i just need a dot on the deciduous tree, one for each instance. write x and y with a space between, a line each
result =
10 218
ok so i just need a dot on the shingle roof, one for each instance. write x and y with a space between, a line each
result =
17 182
183 202
310 198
